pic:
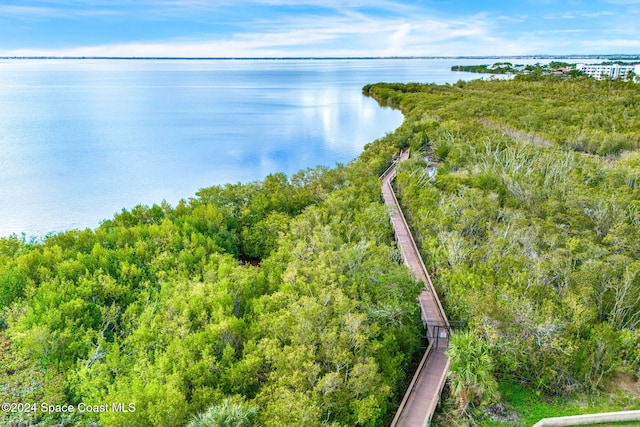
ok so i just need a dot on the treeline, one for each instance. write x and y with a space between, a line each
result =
536 246
537 69
497 68
579 114
281 302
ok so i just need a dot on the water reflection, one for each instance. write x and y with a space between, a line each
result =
80 140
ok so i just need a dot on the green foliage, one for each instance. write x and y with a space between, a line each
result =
287 295
471 379
581 114
226 414
532 407
12 286
23 381
497 68
530 242
286 292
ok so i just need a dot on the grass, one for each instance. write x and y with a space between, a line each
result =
531 406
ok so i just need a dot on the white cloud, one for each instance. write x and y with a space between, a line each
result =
320 37
350 30
45 12
28 11
398 39
348 35
578 14
338 4
608 45
513 19
598 14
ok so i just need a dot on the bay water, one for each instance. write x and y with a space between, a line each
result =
81 139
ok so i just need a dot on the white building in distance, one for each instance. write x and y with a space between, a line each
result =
613 71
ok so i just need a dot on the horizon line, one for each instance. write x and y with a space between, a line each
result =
533 56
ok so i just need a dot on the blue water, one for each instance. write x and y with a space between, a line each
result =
82 139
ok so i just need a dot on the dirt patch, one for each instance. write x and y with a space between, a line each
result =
626 382
502 413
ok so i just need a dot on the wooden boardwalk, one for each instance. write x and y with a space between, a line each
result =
423 394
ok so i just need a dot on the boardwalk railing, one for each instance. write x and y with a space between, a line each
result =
387 178
422 396
412 385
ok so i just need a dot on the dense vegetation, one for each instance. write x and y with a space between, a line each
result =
532 242
509 68
581 114
496 68
282 302
285 302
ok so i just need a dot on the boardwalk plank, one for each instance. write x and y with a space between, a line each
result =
421 399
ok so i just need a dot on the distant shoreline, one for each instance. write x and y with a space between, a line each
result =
213 58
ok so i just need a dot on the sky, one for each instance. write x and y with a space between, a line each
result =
320 28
